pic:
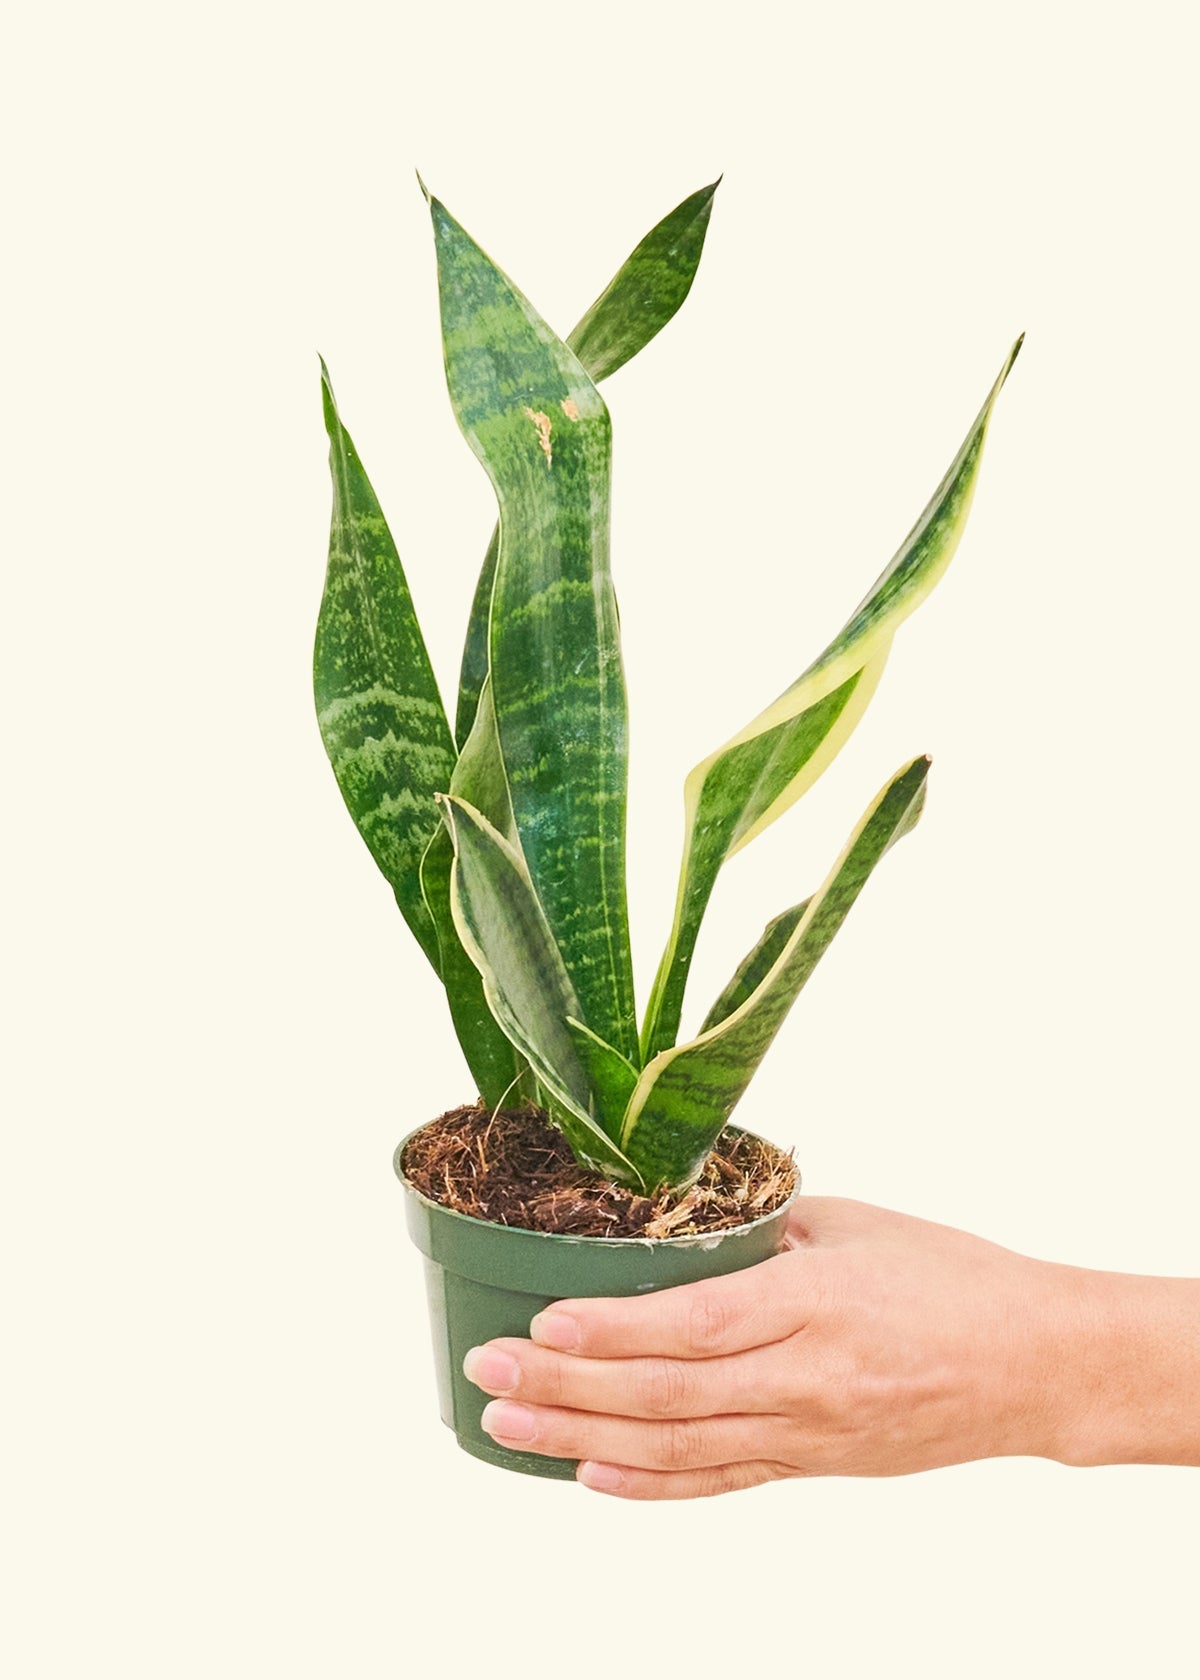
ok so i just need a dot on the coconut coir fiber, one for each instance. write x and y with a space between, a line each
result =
512 1167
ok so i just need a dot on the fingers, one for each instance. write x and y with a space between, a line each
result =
625 1483
635 1388
679 1444
747 1309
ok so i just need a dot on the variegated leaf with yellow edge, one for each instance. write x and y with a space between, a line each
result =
740 789
686 1094
504 931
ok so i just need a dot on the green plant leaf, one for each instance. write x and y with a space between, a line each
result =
492 1059
388 740
733 781
541 430
756 964
378 707
740 789
478 779
647 290
686 1094
610 1075
473 671
505 933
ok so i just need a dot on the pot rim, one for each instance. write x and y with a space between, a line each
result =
696 1239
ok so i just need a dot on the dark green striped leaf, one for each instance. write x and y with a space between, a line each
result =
378 706
757 775
475 649
647 290
541 430
686 1094
634 307
504 932
755 965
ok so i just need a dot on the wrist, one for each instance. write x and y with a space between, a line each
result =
1125 1383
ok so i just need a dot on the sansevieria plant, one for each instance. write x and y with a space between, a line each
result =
503 837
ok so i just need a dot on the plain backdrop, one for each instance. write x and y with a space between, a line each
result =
222 1454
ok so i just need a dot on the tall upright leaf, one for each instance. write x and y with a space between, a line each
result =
732 795
643 295
367 597
686 1094
541 430
378 706
637 303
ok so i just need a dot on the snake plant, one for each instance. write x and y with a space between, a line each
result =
503 836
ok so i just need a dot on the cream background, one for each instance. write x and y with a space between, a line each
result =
223 1456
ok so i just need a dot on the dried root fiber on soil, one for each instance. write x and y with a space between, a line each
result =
512 1167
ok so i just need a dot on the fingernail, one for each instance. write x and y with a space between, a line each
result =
490 1369
602 1478
555 1330
508 1422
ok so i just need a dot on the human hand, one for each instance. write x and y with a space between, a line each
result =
875 1345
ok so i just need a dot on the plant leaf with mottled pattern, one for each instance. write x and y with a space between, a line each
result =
647 290
686 1094
732 795
755 965
541 430
378 705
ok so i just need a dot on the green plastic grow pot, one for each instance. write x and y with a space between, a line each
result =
491 1280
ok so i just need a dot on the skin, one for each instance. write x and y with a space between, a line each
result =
874 1345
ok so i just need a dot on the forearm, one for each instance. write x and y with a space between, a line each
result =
1128 1385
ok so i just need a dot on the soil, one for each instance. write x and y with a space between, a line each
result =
513 1167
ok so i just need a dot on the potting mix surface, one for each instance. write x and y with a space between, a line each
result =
512 1167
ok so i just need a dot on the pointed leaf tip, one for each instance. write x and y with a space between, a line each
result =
329 405
423 187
